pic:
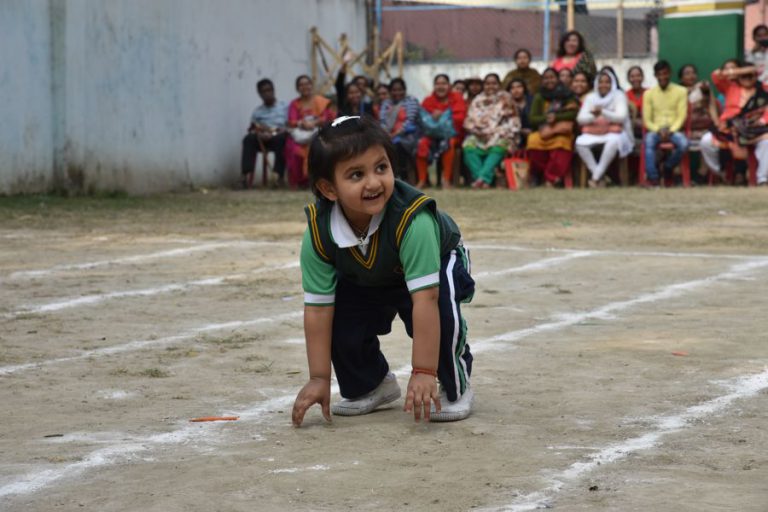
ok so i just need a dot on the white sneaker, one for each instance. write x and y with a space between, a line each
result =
386 392
453 411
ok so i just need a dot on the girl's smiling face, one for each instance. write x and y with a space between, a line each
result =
362 185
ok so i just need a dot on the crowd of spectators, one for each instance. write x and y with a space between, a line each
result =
568 117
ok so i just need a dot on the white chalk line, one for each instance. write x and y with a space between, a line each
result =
37 480
153 343
742 387
139 258
141 344
607 312
659 254
536 265
89 300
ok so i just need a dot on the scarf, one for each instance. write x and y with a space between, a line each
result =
608 99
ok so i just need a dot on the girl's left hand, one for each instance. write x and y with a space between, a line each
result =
422 392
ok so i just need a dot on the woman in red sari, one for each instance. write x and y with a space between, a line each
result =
433 146
305 115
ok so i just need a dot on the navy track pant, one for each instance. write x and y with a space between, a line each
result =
362 313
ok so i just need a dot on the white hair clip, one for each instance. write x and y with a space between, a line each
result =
336 122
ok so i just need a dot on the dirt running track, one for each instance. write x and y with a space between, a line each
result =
619 336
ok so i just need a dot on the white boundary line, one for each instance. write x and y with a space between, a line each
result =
139 258
141 344
36 480
663 254
536 265
88 300
608 311
742 387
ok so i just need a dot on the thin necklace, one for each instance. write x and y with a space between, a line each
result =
361 234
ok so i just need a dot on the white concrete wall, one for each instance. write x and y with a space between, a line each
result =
26 134
419 77
149 95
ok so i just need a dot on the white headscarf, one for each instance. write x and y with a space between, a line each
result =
607 100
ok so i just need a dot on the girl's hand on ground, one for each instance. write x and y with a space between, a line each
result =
316 391
422 391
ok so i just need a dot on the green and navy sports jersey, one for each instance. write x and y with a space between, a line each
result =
403 247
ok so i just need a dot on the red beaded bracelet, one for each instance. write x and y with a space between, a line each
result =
425 371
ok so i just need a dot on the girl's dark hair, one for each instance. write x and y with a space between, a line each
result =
570 71
758 29
300 77
525 51
441 75
459 81
738 63
518 81
382 84
561 48
683 68
397 81
633 68
341 140
492 75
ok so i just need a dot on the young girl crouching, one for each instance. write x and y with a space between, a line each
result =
374 248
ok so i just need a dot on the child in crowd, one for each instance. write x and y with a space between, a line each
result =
376 247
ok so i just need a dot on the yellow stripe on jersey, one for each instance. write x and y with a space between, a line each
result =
367 263
316 233
407 215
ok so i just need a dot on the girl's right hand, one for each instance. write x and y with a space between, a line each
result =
316 391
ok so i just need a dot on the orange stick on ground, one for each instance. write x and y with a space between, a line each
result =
215 418
680 353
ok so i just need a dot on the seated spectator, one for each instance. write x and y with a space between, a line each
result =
550 146
442 120
474 87
738 85
580 86
636 77
492 128
759 52
399 116
305 115
350 98
524 72
604 118
459 86
522 101
751 127
566 77
665 108
382 95
573 54
703 110
267 132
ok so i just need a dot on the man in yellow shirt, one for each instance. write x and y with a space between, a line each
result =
665 108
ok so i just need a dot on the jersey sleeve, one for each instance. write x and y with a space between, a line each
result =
420 252
318 278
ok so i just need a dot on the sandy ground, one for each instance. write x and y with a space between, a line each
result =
122 318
